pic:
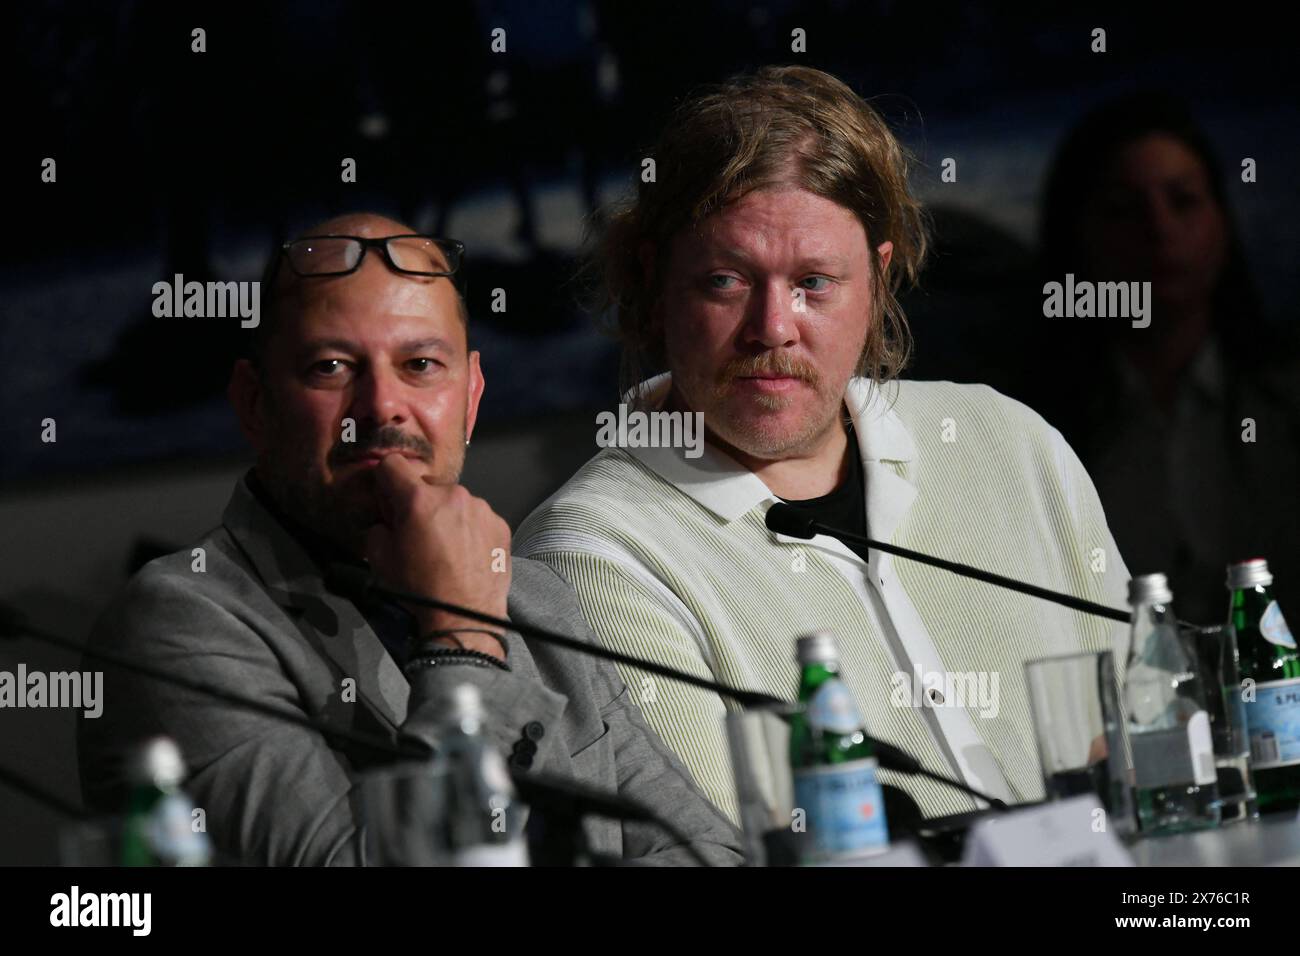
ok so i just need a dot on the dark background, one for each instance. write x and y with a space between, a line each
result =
172 161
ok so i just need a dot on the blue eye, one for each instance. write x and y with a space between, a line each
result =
822 288
716 284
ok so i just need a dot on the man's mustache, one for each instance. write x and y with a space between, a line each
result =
768 363
387 438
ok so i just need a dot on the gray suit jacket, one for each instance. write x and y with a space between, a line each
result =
259 622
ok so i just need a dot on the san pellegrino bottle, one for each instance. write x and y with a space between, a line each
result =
161 826
1176 784
483 824
833 764
1270 660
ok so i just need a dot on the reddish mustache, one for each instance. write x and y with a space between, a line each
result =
751 367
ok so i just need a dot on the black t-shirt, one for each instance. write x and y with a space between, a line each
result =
846 506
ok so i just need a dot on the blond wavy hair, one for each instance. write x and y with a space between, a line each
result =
779 126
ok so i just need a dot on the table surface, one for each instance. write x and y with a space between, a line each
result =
1268 841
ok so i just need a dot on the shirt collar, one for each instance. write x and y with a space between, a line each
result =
729 489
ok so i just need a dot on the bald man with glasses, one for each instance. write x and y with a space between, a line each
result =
359 398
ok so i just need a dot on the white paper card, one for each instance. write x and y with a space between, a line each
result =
1074 832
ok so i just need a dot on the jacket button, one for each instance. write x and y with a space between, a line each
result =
521 760
526 747
534 730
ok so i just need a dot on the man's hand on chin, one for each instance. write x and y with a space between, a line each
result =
440 541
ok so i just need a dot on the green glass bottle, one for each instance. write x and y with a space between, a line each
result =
159 829
835 785
1270 659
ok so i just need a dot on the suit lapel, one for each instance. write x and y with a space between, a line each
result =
330 623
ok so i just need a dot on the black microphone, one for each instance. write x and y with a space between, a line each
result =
14 625
359 583
784 519
788 520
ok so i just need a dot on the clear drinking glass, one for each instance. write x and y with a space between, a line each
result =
760 761
1079 726
1216 656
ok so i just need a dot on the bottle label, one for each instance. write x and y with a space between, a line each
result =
171 835
844 810
1201 743
1273 722
1273 626
514 853
833 710
1174 757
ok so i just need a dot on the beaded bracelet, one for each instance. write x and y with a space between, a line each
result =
453 631
450 655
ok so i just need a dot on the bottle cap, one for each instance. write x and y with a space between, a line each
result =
816 648
1149 589
1249 574
158 762
464 703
